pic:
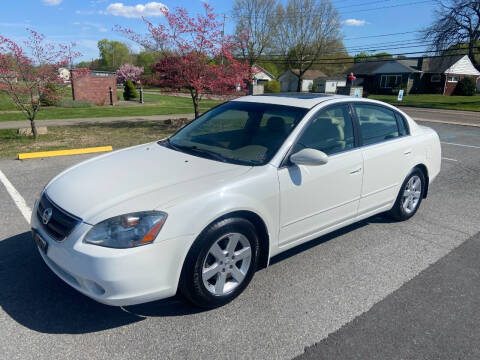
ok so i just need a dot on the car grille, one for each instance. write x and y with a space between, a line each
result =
61 223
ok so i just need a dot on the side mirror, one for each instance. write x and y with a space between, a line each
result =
310 157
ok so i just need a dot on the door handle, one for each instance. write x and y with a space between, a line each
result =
356 171
407 152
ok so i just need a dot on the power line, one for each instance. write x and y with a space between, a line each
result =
322 61
295 14
382 35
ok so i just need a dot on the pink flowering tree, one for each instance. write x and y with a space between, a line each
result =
27 73
129 72
196 54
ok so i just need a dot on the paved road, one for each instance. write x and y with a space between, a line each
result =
306 294
433 316
471 118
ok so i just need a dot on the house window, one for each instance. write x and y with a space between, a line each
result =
435 78
390 81
452 79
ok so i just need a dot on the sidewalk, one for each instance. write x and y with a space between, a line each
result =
468 118
66 122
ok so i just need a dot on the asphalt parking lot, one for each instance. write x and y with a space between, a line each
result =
377 289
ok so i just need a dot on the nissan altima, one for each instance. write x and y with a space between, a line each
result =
197 213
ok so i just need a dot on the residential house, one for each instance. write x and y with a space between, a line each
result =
329 85
289 80
261 76
426 75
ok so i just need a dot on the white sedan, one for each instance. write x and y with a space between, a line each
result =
200 211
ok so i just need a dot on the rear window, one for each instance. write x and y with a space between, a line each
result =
377 123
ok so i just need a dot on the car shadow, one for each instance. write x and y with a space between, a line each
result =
327 237
32 295
36 298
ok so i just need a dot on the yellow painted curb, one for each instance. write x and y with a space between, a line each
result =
42 154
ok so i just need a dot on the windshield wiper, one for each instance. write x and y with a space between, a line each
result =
195 149
211 154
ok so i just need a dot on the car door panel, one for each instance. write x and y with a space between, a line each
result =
314 198
386 154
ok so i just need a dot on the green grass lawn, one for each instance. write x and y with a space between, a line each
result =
154 105
117 134
470 103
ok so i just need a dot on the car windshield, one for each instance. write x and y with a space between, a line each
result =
237 132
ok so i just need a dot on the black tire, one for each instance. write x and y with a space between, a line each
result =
191 282
398 212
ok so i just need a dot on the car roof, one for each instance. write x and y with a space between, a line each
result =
304 100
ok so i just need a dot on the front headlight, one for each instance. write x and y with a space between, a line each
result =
126 231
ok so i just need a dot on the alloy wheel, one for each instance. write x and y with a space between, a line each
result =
411 194
226 264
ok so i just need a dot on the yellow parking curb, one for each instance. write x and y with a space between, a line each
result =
42 154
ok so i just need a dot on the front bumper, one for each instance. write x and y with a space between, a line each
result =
115 276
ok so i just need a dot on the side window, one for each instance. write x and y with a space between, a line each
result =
330 131
376 123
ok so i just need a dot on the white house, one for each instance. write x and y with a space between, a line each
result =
289 80
261 76
329 85
64 74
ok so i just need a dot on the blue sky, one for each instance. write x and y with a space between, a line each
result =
87 21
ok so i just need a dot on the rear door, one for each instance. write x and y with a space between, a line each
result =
386 151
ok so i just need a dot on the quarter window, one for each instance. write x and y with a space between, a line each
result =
330 131
376 123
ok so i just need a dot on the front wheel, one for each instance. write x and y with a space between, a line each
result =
221 263
410 196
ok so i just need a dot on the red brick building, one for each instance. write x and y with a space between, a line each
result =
95 87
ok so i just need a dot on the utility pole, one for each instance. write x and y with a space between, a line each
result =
223 33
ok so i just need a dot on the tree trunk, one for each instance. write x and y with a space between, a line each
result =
471 53
194 95
34 128
299 84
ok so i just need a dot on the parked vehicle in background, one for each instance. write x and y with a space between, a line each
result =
200 211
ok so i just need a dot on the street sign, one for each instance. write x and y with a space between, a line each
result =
400 95
357 93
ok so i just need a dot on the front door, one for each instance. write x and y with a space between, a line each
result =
315 198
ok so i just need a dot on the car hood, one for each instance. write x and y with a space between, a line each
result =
144 177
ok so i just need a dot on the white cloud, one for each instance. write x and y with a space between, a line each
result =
52 2
354 22
137 11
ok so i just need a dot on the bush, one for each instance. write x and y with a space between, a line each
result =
51 95
129 92
466 87
273 86
67 103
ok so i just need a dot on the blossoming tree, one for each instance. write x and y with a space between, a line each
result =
129 72
28 73
193 47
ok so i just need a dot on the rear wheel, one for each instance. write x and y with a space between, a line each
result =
221 263
410 196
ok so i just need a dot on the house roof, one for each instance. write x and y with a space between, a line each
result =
439 64
263 70
436 64
310 74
